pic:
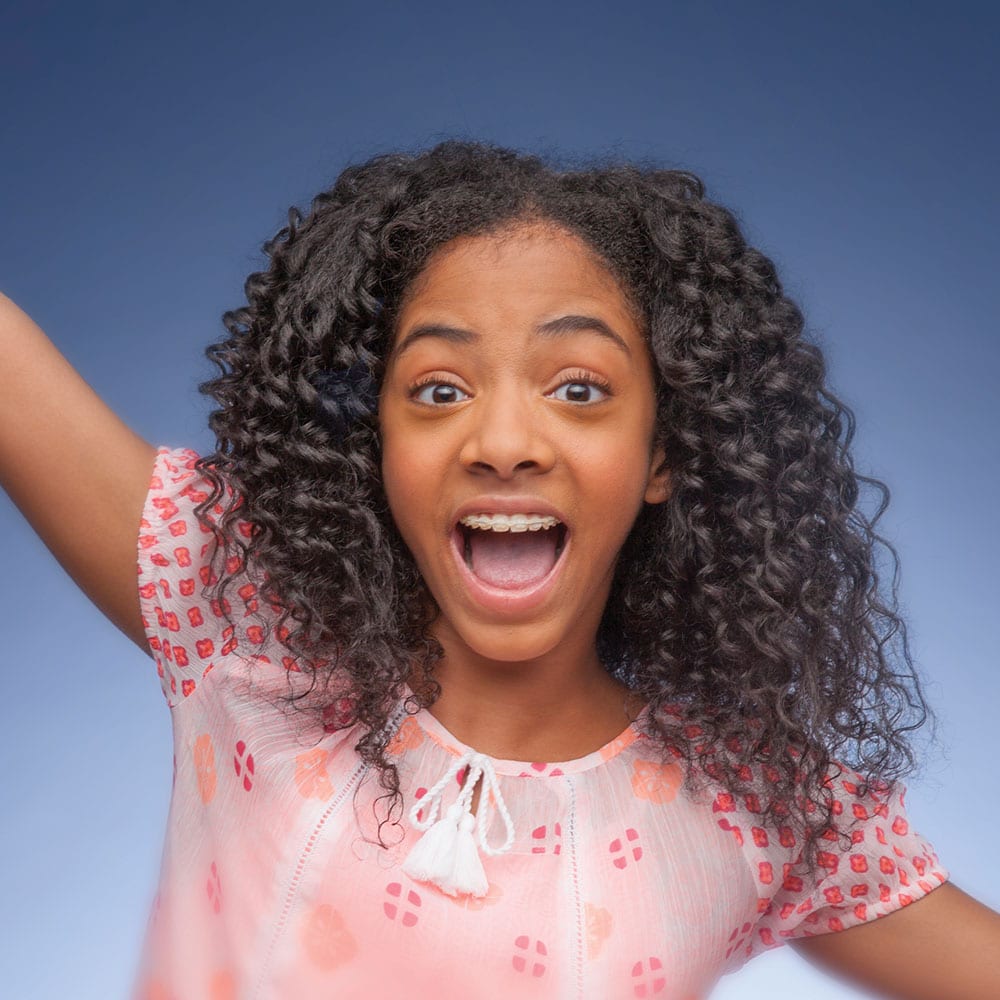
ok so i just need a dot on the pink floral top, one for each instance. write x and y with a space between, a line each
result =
617 883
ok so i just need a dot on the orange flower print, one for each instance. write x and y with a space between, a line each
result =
599 923
655 781
310 775
222 986
204 766
408 737
616 746
325 938
154 991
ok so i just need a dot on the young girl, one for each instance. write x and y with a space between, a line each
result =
522 636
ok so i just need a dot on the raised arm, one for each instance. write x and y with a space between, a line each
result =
76 472
945 946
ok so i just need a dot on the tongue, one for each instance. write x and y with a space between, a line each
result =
512 559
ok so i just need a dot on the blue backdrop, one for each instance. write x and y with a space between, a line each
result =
147 153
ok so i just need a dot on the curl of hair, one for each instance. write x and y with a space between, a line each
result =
747 610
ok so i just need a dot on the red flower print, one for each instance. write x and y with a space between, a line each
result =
406 910
244 767
738 939
792 883
724 802
621 852
338 715
547 839
213 889
828 861
523 961
648 978
737 833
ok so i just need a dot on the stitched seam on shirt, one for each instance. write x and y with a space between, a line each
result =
575 878
393 724
297 875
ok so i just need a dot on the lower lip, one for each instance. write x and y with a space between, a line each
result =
500 599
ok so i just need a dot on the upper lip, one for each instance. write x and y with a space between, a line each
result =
509 505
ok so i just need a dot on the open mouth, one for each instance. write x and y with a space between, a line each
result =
510 552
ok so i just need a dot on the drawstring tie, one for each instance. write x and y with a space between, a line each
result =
446 855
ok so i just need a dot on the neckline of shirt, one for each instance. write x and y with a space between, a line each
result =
452 745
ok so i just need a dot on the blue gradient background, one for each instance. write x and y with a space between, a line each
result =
147 155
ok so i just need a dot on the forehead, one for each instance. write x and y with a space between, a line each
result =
522 275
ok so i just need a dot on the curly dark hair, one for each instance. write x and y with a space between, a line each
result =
746 610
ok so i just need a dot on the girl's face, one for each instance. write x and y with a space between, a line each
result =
519 383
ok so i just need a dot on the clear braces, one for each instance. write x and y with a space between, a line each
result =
509 522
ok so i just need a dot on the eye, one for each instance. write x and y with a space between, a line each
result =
438 393
582 389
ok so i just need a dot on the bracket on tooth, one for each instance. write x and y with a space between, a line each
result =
509 522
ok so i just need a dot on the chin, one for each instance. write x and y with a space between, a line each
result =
509 644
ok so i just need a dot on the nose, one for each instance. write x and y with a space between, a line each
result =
507 436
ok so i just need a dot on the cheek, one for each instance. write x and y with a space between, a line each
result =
408 484
394 474
615 471
395 483
400 467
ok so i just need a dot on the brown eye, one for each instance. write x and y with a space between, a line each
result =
580 392
438 393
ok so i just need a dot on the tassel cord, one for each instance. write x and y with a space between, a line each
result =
491 794
479 766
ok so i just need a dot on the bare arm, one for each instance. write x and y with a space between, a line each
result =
76 472
945 946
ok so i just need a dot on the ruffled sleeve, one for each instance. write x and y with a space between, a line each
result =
186 633
870 865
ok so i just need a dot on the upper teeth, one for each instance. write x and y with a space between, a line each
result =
509 522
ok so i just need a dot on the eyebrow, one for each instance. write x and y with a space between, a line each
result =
564 326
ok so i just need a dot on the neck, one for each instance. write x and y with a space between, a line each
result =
557 707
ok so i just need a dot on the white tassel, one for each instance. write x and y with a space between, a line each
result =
447 855
431 856
466 877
